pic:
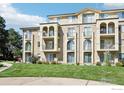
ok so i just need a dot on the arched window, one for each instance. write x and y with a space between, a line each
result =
103 28
28 46
45 31
70 57
51 31
111 27
70 45
87 45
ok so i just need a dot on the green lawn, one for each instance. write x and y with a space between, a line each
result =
99 73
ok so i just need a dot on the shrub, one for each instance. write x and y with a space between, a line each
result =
39 62
34 59
45 62
119 64
98 64
108 64
77 63
54 62
122 61
1 65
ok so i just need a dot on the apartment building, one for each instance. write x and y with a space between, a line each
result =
82 37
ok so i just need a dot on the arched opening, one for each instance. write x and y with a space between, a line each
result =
45 31
51 31
103 28
28 46
70 45
111 27
87 44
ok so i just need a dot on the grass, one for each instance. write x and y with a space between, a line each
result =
113 75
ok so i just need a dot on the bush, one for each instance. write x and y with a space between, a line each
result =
122 61
45 62
77 63
39 62
54 62
1 65
34 59
119 64
108 64
98 64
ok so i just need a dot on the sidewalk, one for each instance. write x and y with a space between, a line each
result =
6 66
48 81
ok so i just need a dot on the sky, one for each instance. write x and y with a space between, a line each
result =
19 15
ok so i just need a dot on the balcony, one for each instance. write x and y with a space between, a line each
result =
49 49
48 33
104 31
106 16
107 46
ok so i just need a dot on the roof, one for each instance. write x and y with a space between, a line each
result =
31 28
83 10
49 23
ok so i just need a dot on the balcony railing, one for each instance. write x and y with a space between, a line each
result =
105 46
50 47
46 34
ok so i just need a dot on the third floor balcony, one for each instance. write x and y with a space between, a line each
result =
107 29
48 33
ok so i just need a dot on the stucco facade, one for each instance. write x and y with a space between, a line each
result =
83 37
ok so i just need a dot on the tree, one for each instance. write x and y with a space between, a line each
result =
15 42
3 38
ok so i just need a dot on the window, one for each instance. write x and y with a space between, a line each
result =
50 45
38 43
121 15
70 57
122 28
51 31
58 19
28 46
87 45
87 57
70 45
111 27
103 28
50 57
88 18
70 32
121 56
103 16
28 34
72 18
87 31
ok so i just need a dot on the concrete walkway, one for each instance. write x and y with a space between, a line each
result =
6 66
48 81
